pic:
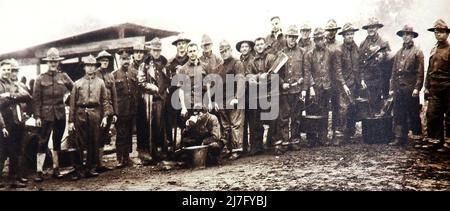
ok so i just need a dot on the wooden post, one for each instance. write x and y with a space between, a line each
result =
38 67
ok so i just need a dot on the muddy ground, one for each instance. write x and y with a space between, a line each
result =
348 167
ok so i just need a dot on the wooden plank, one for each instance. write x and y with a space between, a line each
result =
27 61
93 47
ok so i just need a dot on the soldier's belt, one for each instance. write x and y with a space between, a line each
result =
89 106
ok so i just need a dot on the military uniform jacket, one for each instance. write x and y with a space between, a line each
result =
275 44
48 95
408 69
306 44
232 66
323 65
438 75
111 91
208 125
126 87
349 54
212 62
89 92
372 69
157 75
293 69
8 105
195 71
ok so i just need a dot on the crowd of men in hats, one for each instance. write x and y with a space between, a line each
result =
319 75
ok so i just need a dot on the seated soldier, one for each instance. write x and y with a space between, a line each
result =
203 128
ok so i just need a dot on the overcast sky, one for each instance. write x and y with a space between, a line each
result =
27 22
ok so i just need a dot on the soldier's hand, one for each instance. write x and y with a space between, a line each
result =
263 76
426 94
184 112
71 126
5 133
303 96
286 86
415 93
312 93
114 119
391 93
347 90
38 122
363 85
104 122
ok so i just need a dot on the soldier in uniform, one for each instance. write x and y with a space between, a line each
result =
211 60
406 83
349 56
322 63
331 29
373 56
139 53
275 41
262 62
23 111
292 91
305 41
154 82
203 128
3 135
437 90
231 114
192 94
171 115
103 72
49 110
11 95
126 85
89 112
245 47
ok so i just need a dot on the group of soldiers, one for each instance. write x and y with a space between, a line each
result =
320 75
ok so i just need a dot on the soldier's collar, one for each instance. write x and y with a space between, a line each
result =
245 57
277 34
89 77
181 56
408 45
207 54
195 63
51 73
375 37
350 45
260 55
442 44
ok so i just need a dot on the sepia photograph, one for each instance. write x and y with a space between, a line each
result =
226 96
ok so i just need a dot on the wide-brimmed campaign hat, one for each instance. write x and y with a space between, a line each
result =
331 25
348 27
440 24
249 42
292 31
154 44
181 37
53 55
89 60
407 29
373 22
103 54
